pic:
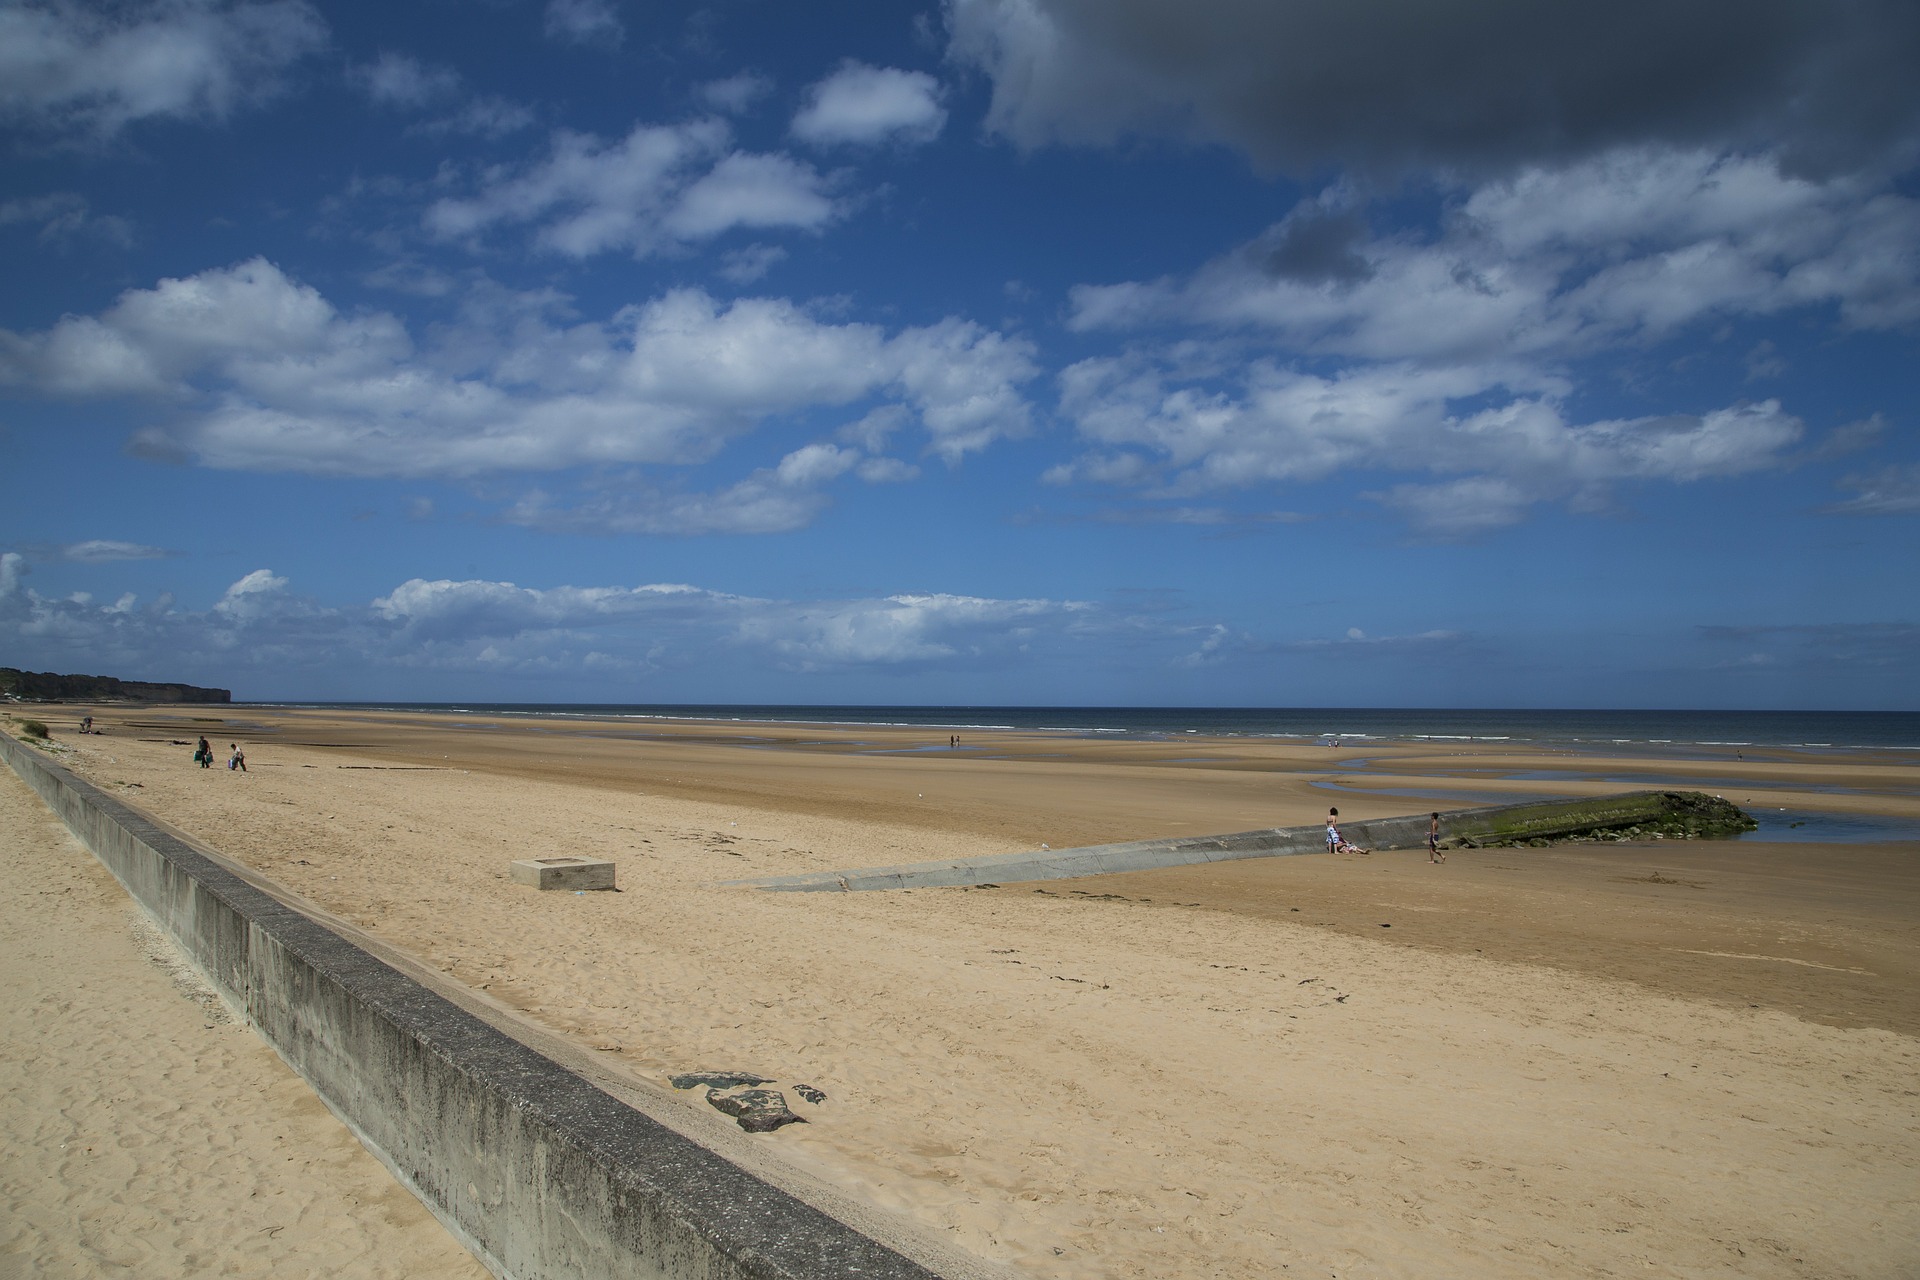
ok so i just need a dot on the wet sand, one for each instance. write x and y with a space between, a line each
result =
1826 932
1581 1060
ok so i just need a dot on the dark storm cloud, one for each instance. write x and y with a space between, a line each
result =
1393 85
1317 249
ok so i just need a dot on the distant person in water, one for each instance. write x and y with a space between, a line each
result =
1433 840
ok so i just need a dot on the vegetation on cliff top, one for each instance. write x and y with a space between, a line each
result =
46 686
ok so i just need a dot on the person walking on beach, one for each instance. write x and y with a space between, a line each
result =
238 760
1433 840
205 754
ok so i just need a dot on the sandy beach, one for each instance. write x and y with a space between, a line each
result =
147 1132
1666 1058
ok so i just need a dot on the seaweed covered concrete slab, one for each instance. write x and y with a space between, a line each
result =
1669 815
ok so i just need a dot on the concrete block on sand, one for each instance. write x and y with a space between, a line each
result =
564 873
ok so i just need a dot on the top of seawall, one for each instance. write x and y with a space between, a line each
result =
1684 812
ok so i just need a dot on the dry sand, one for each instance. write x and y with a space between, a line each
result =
1658 1060
146 1132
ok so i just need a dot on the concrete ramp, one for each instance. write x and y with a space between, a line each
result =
1671 814
1057 864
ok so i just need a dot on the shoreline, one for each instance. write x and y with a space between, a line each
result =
1062 1081
1170 723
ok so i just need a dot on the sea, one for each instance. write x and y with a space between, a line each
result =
1676 735
1685 732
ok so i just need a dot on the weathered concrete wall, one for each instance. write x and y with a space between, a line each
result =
1060 864
1102 859
1541 820
538 1171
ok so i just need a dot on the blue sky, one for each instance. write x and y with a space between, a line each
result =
1468 353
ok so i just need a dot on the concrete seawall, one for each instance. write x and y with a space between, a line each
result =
533 1167
1507 823
1102 859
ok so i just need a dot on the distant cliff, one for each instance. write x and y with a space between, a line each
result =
45 686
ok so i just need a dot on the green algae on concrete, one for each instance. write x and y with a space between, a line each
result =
1665 815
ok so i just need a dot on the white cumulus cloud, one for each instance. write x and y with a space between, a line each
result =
1328 346
933 628
864 105
1268 424
257 593
263 373
735 94
773 499
1892 490
105 550
90 70
64 216
751 191
588 22
1630 246
400 80
659 186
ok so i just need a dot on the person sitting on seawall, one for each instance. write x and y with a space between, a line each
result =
1337 843
238 760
